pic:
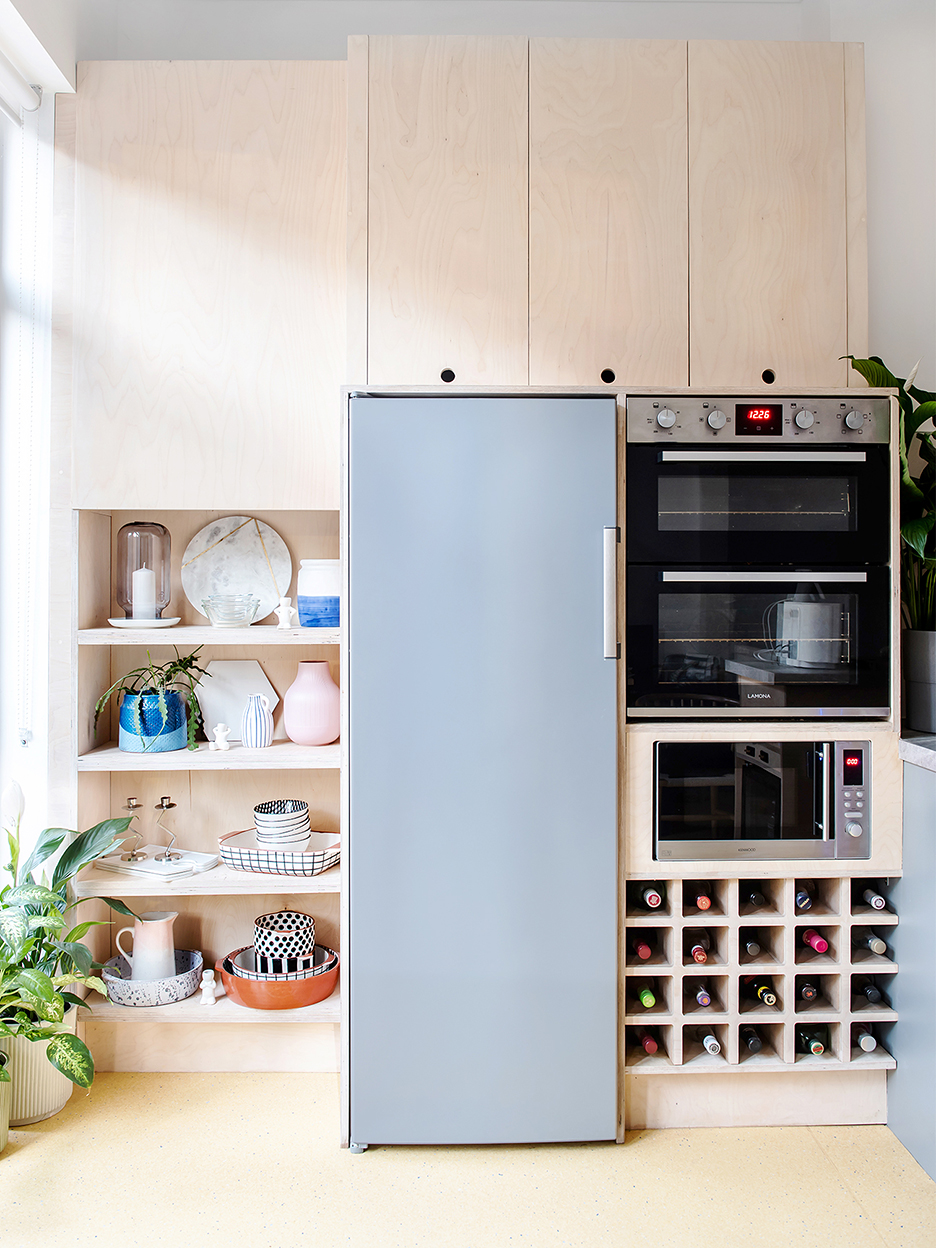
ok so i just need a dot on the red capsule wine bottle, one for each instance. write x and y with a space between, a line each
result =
869 940
868 989
645 996
642 947
864 1038
804 895
758 989
873 899
751 1040
811 1039
807 990
752 897
812 938
707 1038
698 991
701 895
652 896
698 944
647 1040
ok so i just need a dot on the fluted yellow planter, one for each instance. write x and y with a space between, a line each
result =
38 1090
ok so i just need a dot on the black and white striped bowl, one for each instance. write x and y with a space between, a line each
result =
243 964
242 852
280 813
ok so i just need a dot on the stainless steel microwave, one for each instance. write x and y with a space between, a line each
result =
760 800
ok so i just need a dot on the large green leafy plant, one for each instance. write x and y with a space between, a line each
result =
181 673
41 955
917 493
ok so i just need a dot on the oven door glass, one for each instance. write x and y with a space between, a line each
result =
768 642
739 791
692 505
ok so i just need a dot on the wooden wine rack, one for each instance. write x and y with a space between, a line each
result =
837 910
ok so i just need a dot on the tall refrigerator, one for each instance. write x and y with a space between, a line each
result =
481 847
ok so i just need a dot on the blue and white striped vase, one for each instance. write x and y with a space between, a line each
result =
257 724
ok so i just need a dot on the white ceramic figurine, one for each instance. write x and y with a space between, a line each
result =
286 613
221 733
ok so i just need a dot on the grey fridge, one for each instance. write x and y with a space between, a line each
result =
481 852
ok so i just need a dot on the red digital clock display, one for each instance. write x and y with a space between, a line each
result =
765 419
852 767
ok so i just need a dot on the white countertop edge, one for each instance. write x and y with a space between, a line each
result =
919 750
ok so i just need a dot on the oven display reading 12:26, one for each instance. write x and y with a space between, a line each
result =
765 419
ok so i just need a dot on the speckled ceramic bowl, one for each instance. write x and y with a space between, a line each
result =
123 990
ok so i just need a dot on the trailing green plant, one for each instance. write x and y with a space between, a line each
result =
917 493
41 955
181 673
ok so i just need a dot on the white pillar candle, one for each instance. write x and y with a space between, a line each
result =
144 594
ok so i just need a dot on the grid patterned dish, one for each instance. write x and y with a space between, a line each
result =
241 851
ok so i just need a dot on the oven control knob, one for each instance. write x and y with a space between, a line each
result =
666 419
854 829
717 419
854 420
804 419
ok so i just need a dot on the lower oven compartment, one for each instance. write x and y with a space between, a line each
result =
765 643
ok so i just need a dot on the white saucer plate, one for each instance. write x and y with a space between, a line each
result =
145 623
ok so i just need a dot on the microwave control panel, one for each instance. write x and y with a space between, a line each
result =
733 420
851 797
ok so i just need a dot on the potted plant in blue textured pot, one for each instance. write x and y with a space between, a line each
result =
918 540
153 715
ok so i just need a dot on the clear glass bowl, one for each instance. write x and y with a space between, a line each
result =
230 610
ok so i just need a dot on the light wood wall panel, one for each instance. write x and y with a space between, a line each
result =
447 210
856 207
209 315
767 194
608 212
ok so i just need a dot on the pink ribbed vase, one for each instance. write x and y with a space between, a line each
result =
312 705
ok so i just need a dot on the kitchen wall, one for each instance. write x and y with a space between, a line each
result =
900 49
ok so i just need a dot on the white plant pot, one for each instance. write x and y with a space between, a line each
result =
919 673
6 1096
38 1089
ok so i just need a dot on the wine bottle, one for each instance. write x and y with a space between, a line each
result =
698 990
647 1040
808 990
645 996
706 1037
751 946
701 894
869 940
753 897
698 944
812 938
751 1040
873 899
652 896
641 947
804 895
867 989
864 1038
810 1039
758 989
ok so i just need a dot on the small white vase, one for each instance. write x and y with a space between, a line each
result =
312 705
257 724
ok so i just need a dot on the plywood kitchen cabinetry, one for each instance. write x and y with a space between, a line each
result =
209 284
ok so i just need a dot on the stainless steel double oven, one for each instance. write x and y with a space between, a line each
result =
758 548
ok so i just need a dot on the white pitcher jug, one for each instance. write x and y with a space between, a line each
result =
153 954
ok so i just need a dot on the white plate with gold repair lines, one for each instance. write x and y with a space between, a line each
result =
237 555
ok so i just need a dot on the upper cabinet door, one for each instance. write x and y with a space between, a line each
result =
608 212
447 211
767 210
209 291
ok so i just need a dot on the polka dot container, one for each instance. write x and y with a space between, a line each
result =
285 934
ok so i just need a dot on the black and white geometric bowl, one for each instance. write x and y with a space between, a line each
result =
123 990
284 812
243 964
284 934
241 851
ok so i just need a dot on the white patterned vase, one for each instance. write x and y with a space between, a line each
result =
257 724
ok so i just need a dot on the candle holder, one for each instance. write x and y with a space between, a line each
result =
143 563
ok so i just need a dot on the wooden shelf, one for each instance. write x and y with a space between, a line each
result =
281 755
220 881
204 635
223 1011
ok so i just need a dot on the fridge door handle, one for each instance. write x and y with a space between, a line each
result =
612 536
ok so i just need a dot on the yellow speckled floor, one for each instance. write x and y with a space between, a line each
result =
251 1161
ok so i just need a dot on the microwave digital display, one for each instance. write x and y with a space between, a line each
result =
852 767
761 419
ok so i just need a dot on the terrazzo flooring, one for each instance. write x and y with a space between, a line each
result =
252 1161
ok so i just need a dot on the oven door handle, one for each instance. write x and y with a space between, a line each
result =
763 457
725 578
828 756
612 536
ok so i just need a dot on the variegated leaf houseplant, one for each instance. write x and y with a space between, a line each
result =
153 715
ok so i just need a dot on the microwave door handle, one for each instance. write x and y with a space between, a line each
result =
612 536
763 457
776 578
828 754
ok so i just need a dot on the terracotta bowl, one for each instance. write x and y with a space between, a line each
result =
282 994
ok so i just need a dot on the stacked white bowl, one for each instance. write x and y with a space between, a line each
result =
282 823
